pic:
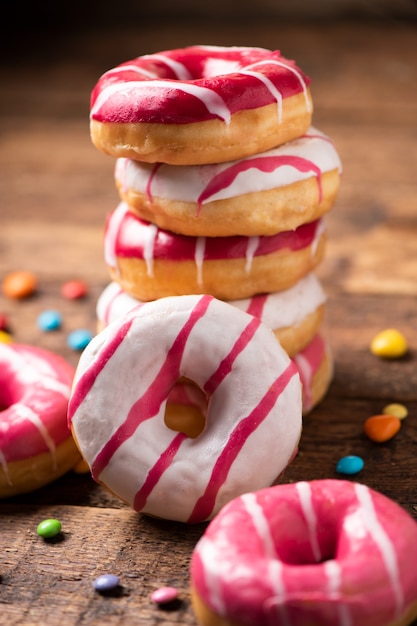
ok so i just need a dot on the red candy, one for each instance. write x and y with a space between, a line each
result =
74 289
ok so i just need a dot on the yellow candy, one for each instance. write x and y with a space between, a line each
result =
5 337
389 344
397 410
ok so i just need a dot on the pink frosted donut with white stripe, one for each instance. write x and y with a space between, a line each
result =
149 262
36 446
252 421
194 105
263 194
319 553
294 314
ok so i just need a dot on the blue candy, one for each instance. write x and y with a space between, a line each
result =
106 582
350 465
49 320
79 339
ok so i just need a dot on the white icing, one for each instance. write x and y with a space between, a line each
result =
280 309
305 495
138 361
188 187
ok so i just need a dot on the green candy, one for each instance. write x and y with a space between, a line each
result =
49 528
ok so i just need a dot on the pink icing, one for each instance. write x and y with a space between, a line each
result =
34 390
307 362
195 84
263 164
129 236
327 552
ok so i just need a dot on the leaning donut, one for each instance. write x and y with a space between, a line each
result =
252 421
149 262
36 446
264 194
320 553
195 105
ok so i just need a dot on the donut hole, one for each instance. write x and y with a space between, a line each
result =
186 408
298 546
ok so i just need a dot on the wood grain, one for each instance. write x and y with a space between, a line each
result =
56 190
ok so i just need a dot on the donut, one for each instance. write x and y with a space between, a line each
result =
295 315
316 368
36 446
149 262
321 553
264 194
252 420
194 105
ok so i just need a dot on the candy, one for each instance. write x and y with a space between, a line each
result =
106 582
398 410
79 339
74 289
349 465
49 528
381 428
4 324
163 595
5 337
389 344
49 320
19 284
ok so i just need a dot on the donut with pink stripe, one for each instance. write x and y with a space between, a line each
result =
194 105
263 194
294 315
320 553
149 262
315 366
252 420
36 446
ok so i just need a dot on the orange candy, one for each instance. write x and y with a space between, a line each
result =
19 284
381 428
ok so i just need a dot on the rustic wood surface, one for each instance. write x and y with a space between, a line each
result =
56 190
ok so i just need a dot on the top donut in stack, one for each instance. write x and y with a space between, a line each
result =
223 181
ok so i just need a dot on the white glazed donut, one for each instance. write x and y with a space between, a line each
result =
201 104
150 263
294 315
262 194
252 420
319 553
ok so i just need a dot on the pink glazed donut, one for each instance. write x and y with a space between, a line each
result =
319 553
149 262
36 446
252 420
195 105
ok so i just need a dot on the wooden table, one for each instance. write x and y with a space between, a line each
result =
56 190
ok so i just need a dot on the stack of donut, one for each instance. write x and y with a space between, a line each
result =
223 184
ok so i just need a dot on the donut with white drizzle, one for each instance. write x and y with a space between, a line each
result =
264 194
200 104
36 446
149 262
294 315
252 421
320 553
